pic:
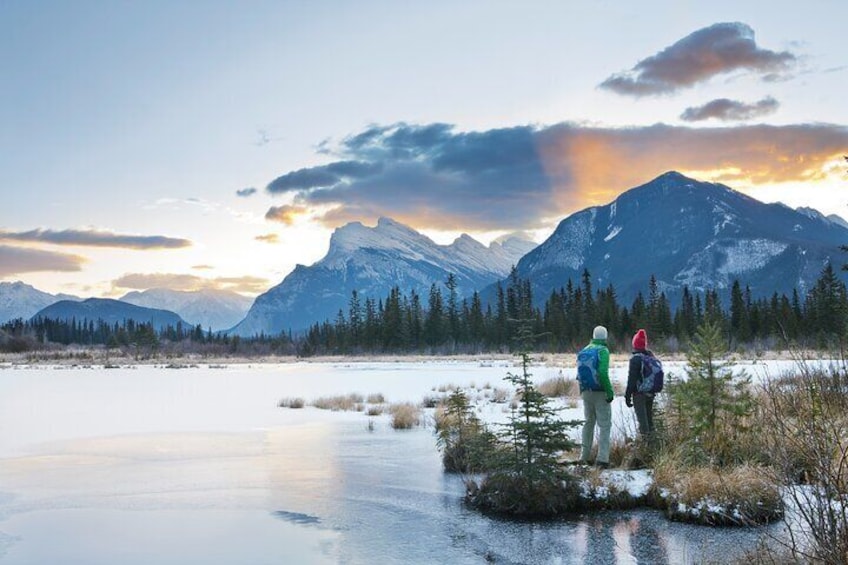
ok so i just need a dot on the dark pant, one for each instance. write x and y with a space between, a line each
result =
643 404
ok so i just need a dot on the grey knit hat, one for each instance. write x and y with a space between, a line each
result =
600 332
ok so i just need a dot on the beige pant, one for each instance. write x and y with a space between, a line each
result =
596 410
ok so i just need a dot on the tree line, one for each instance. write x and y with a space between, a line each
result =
564 321
444 323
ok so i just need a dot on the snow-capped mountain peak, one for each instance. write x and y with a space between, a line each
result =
686 232
20 300
372 260
211 308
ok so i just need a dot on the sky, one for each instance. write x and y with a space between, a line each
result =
209 144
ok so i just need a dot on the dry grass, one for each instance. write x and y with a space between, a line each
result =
740 496
376 398
291 403
441 418
343 402
405 416
558 387
374 410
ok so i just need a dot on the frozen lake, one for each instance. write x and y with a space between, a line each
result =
153 465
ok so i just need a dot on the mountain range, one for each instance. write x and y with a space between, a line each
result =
212 309
682 231
685 232
372 261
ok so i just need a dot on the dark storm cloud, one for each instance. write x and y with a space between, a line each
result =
95 238
517 178
729 110
245 192
321 177
713 50
17 260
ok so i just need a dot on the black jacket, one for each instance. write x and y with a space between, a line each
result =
634 374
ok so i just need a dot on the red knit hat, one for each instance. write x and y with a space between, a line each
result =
640 340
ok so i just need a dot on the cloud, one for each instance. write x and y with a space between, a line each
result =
322 177
726 110
268 238
95 238
707 52
285 214
184 282
16 260
202 267
431 176
245 192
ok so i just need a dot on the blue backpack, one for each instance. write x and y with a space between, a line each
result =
587 369
652 375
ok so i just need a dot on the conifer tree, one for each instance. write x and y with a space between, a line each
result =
527 478
713 404
463 439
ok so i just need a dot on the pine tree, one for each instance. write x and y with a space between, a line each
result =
453 308
527 479
826 306
434 322
713 404
463 439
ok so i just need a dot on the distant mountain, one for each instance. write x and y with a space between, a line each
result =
372 261
110 311
19 300
686 232
215 309
816 215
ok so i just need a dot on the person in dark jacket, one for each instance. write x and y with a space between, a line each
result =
642 403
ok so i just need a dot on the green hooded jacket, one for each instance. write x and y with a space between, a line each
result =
603 365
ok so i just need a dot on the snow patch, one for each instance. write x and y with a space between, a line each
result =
713 265
569 243
613 232
749 255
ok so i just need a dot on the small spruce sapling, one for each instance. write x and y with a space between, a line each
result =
713 405
462 438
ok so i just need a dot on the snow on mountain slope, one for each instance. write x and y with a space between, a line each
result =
372 261
215 309
19 300
686 232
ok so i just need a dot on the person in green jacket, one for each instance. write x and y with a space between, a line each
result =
597 409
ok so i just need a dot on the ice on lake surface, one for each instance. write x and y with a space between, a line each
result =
153 465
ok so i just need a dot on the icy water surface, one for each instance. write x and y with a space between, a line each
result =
154 465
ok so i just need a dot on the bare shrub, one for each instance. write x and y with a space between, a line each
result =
376 398
500 395
431 401
805 420
405 416
291 403
374 410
